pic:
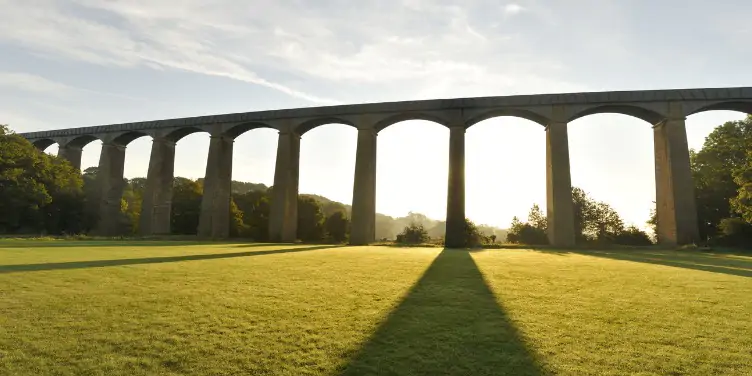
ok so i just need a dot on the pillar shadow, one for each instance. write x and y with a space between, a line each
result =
448 324
684 260
147 260
677 259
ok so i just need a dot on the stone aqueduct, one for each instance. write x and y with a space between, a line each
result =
666 110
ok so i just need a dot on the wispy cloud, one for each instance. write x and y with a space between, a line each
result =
512 9
32 83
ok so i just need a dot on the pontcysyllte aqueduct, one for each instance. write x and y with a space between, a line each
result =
665 110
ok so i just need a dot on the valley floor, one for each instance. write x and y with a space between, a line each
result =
175 308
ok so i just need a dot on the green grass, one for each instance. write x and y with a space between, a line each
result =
174 308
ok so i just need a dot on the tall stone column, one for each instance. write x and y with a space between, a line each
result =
157 202
214 221
455 214
283 217
363 225
676 209
72 154
559 206
111 184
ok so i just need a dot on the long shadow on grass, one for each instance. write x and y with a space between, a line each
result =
110 243
678 259
448 324
724 266
147 260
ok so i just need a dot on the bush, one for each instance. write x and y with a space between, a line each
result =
473 237
526 233
735 232
413 233
632 236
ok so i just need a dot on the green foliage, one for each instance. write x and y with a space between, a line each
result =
531 232
255 205
472 236
186 206
30 181
724 153
735 232
337 226
310 219
413 233
632 235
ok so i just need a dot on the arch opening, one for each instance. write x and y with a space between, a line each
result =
505 168
613 161
509 112
180 133
241 129
80 142
411 177
309 125
394 119
43 144
735 106
645 114
128 137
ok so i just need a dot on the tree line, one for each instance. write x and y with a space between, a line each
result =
43 194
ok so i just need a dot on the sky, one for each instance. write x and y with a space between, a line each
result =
72 63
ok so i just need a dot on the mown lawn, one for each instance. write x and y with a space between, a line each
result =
138 308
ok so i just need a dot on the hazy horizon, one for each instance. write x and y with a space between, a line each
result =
86 62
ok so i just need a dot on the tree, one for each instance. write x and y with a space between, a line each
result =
413 233
255 207
531 232
310 219
724 152
472 235
337 226
30 181
186 206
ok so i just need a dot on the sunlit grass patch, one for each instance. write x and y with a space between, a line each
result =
130 308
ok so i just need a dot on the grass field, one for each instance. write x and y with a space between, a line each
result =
119 308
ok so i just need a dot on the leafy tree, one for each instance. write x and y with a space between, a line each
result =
632 236
186 206
742 203
413 233
472 235
337 226
724 152
30 181
255 207
531 232
310 219
237 225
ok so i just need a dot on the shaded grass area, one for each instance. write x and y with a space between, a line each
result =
448 324
221 309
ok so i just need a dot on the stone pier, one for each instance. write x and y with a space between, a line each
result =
214 221
72 154
111 183
157 203
283 216
559 187
674 189
363 224
455 214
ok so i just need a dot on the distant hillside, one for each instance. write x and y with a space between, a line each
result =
386 227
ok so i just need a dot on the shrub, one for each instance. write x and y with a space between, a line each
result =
632 236
413 233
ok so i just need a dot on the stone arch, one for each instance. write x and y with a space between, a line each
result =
382 124
308 125
126 138
237 130
44 143
177 134
514 112
739 106
81 141
642 113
